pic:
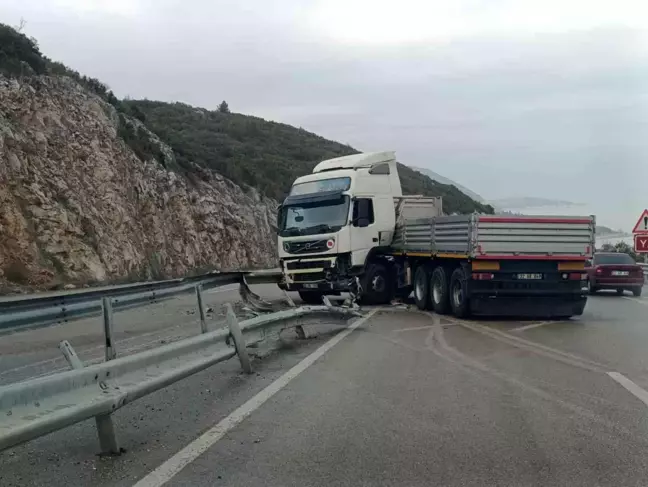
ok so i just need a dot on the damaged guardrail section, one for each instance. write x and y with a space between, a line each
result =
37 407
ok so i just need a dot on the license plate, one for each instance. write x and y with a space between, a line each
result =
619 273
529 276
310 285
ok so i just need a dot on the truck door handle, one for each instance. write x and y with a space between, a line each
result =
375 239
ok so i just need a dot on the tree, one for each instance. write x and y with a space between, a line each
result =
223 107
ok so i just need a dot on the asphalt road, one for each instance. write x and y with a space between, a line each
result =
405 398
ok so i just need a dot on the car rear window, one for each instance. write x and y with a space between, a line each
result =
613 259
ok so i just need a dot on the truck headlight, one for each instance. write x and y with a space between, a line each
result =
286 247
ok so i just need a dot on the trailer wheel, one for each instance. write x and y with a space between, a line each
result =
376 285
311 297
421 288
459 293
439 291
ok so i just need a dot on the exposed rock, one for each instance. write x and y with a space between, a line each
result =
77 204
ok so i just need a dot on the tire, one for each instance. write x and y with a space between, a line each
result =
590 289
637 291
619 292
458 295
376 285
311 297
422 288
439 295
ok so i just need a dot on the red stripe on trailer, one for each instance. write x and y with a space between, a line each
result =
531 257
494 219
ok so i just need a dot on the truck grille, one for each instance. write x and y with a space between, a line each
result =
305 246
309 264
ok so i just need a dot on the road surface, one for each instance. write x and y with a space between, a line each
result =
405 399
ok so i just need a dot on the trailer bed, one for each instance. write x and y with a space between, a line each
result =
497 236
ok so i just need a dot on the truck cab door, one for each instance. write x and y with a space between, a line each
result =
364 232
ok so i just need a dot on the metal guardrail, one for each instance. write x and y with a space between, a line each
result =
40 406
63 307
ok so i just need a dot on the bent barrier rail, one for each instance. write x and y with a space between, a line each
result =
40 406
62 307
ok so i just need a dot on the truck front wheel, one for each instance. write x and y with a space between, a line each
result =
459 293
439 291
376 285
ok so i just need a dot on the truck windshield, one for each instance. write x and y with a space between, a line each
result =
314 218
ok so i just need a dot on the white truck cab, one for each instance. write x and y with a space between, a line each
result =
334 217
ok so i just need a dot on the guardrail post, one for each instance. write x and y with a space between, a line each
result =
107 438
201 308
70 355
105 426
111 353
289 300
239 341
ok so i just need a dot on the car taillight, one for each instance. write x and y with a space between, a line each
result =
482 276
599 270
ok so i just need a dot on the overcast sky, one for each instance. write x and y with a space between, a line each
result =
507 97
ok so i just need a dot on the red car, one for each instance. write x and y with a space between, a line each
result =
612 270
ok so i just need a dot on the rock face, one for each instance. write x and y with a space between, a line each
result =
77 204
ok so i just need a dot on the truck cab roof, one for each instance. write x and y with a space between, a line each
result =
355 161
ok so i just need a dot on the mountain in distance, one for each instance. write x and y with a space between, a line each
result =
443 180
524 202
513 204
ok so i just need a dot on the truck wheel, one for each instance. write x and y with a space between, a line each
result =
459 293
421 288
376 286
311 297
637 291
439 291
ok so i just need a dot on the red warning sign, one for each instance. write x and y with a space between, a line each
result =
641 243
642 223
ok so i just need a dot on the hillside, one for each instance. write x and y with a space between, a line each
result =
96 189
266 155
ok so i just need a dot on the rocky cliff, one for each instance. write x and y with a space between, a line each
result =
78 205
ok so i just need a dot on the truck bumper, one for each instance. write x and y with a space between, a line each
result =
321 286
528 306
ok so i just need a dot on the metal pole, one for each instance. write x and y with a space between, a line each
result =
70 355
201 308
111 353
239 341
105 427
107 438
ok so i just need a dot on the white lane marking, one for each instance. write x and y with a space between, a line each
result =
193 450
532 325
636 300
224 289
414 328
633 388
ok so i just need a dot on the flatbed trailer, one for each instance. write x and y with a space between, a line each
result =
495 264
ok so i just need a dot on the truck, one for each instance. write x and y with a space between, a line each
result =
348 228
